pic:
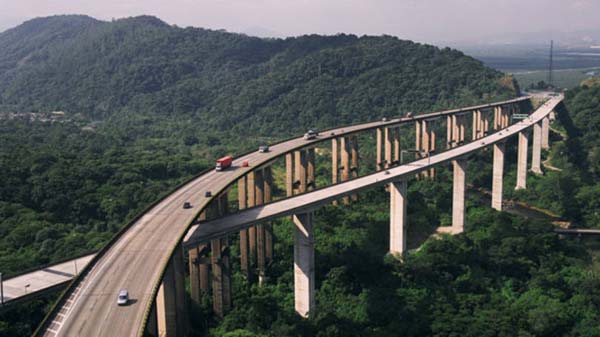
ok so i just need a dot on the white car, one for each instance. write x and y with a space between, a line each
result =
123 297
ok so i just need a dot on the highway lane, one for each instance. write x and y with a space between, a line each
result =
312 200
42 279
136 260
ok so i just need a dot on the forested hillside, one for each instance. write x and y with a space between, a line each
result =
165 101
229 81
148 105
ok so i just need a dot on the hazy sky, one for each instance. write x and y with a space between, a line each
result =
422 20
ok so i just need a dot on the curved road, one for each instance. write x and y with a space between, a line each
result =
311 200
137 259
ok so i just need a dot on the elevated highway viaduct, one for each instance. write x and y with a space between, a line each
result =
147 256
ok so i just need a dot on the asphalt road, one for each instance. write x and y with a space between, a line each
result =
311 200
136 260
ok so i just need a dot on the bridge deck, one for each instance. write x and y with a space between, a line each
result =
301 203
138 258
42 279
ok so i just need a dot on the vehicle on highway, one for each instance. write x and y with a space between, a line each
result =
263 148
187 205
223 163
409 115
311 134
123 298
207 194
245 163
384 119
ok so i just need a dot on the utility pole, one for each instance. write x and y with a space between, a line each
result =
551 66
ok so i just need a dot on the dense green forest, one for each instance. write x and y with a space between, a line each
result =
148 105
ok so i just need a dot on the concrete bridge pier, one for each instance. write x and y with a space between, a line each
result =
256 243
379 165
268 197
458 199
289 174
496 122
498 175
476 124
398 224
354 159
346 149
304 264
389 147
426 143
171 309
462 128
449 131
300 171
221 276
259 230
199 267
545 133
348 165
244 244
397 148
536 157
522 161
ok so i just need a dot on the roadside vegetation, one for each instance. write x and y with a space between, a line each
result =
149 105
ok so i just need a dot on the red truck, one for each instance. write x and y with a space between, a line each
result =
223 163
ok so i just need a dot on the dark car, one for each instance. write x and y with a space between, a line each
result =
207 194
187 205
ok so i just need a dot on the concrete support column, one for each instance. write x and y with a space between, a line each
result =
268 178
289 175
193 258
171 310
432 137
244 244
335 163
458 199
418 139
389 141
536 158
301 171
259 230
425 134
462 129
346 148
398 224
310 170
397 149
379 164
545 133
354 160
221 276
449 133
304 264
456 123
496 118
251 191
486 124
475 124
522 161
334 160
498 176
199 267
